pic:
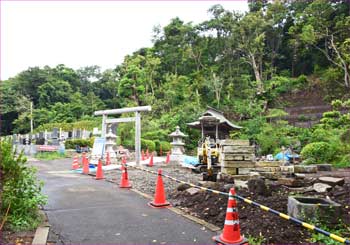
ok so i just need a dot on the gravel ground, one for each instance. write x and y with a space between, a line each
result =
146 182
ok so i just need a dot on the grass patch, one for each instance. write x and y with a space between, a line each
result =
50 155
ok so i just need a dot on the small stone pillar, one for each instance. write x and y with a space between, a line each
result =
110 142
177 146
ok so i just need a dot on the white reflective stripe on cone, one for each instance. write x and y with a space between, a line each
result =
231 222
231 210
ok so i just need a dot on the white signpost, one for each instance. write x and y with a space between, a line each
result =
136 119
97 149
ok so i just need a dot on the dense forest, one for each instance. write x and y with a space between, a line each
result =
243 64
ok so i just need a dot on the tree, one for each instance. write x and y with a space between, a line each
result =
250 35
327 29
54 91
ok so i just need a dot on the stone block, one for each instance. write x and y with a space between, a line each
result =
234 142
321 187
306 208
258 186
324 167
231 171
238 164
193 191
332 181
271 175
292 182
305 169
237 157
268 169
267 164
237 149
300 176
287 169
245 170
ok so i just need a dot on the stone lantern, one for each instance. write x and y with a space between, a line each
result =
110 142
177 146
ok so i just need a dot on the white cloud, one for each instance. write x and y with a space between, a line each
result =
79 34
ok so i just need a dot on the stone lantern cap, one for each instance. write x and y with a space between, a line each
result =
177 133
110 134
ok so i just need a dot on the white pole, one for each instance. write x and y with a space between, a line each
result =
137 137
31 118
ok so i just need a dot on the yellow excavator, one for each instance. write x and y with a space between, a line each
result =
208 159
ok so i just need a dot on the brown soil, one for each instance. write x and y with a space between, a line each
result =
18 238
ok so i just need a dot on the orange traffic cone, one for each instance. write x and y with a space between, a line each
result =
143 155
124 182
147 154
167 160
231 233
150 164
108 159
75 164
85 165
159 196
99 171
83 157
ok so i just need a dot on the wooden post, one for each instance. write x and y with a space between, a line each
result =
137 137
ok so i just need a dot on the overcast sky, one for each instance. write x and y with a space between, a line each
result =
80 34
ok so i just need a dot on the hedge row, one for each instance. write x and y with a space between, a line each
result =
71 144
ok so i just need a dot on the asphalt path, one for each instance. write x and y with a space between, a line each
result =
82 210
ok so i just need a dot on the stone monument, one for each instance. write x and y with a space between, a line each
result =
177 146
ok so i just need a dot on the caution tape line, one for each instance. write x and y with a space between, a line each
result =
265 208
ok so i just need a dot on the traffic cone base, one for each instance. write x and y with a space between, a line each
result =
157 205
219 240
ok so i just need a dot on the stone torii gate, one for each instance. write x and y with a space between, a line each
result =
136 119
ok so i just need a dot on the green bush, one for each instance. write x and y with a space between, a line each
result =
321 135
71 144
166 146
320 151
148 144
344 162
21 190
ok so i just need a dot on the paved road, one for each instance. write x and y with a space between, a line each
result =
88 211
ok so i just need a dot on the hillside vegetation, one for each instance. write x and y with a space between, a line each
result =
242 64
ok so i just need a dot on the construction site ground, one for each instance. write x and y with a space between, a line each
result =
255 222
84 210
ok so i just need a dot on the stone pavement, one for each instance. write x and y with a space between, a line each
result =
88 211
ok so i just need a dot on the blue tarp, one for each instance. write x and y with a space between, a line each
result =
191 160
285 156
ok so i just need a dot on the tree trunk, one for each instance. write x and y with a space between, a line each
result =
257 74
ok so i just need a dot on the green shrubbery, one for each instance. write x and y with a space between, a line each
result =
21 193
319 151
164 145
148 144
71 144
